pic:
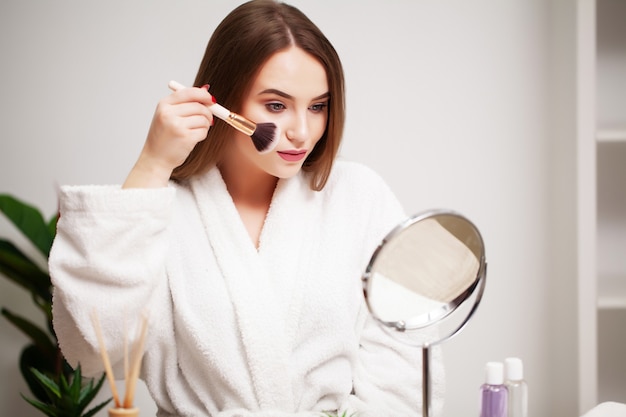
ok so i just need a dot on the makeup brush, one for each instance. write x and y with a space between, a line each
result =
264 136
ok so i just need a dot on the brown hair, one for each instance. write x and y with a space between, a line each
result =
237 50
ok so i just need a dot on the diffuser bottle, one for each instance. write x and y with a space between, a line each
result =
517 388
493 393
124 412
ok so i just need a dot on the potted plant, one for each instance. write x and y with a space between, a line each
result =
58 389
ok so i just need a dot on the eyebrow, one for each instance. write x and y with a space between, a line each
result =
289 97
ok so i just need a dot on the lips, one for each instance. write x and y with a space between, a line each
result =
292 156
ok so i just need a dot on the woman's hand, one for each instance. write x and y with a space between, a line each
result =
180 121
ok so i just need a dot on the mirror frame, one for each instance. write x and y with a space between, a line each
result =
442 312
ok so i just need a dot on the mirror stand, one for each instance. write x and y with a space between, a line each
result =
426 380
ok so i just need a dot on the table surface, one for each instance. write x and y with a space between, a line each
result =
607 409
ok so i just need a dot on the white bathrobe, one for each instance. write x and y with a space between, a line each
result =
236 331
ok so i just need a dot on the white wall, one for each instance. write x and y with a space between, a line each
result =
447 99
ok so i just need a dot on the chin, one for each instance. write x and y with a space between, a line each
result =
288 172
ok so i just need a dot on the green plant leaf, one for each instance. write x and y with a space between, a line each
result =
31 357
60 391
45 408
71 396
88 393
29 221
51 387
97 408
64 385
75 386
52 225
84 390
23 271
40 338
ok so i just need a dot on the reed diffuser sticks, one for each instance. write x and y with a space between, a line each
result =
131 369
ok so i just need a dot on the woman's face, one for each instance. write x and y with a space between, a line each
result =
291 91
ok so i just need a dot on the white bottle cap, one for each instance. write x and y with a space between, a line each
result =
494 373
514 369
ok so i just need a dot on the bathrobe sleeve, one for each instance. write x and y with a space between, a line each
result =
108 258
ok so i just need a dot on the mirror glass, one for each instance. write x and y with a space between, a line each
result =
424 269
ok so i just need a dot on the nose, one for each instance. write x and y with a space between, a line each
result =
298 130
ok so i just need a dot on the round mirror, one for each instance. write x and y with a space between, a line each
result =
423 273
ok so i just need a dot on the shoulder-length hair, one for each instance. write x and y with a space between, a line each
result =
241 44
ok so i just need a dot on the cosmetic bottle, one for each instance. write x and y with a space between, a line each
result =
493 393
517 387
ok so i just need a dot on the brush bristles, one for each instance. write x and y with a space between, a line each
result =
265 137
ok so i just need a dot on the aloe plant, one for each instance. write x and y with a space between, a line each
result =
67 398
41 357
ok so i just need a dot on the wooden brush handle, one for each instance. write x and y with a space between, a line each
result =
245 126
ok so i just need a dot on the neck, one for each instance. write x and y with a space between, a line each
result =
247 184
251 191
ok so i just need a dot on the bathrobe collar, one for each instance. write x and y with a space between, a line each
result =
266 286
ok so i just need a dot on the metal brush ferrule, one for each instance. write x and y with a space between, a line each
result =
241 123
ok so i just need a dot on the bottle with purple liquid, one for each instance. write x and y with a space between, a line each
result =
493 393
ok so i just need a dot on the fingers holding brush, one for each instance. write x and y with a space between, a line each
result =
183 112
180 121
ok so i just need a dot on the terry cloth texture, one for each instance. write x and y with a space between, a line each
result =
281 330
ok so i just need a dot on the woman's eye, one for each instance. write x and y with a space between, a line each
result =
319 107
275 107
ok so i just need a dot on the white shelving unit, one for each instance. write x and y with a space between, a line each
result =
611 198
599 158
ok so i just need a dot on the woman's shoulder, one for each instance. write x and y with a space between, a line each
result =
344 168
348 173
365 195
357 184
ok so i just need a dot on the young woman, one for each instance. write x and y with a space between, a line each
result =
248 264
